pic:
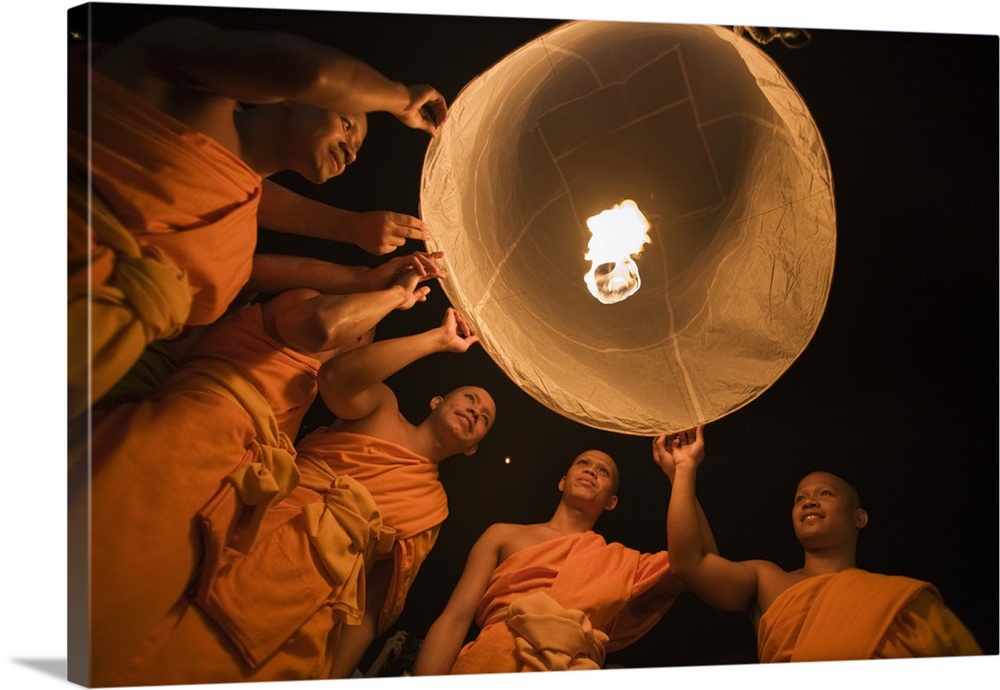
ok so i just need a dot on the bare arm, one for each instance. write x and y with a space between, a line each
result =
724 584
446 636
666 449
270 67
274 273
377 232
351 383
322 325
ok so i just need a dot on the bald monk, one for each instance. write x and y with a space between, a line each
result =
553 595
395 460
194 490
827 610
166 177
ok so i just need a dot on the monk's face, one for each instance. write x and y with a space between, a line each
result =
322 143
462 418
826 511
593 477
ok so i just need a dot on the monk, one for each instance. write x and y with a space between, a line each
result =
197 516
166 178
396 461
827 610
553 595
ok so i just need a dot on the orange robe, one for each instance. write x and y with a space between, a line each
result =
209 563
404 485
162 229
855 614
562 603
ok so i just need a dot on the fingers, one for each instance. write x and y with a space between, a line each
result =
410 228
461 327
427 109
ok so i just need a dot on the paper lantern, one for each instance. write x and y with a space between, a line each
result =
702 133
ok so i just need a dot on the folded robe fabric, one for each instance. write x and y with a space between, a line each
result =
189 204
404 485
551 638
855 614
184 483
622 594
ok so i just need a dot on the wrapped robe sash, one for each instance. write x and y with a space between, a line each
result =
616 592
190 206
405 487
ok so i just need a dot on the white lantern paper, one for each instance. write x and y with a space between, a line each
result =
717 149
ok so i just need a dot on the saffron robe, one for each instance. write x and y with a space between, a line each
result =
612 594
404 486
209 562
855 614
162 229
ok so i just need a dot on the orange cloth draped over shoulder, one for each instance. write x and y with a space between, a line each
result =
855 614
405 487
610 594
162 229
209 562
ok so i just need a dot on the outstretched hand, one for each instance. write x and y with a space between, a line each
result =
409 280
426 110
456 334
381 232
423 264
685 449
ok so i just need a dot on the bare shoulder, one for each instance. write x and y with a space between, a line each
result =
772 580
511 537
377 415
158 64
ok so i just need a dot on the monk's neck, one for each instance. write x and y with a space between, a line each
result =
570 520
423 441
260 148
823 561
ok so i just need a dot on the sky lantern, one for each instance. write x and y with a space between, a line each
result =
637 219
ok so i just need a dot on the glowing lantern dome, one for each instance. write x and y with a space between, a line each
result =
698 131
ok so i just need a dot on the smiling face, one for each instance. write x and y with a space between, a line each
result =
462 418
826 511
593 476
323 143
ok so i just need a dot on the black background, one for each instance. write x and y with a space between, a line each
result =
897 390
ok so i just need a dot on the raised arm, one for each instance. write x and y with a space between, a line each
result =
270 67
274 273
690 445
446 636
323 325
377 232
351 384
724 584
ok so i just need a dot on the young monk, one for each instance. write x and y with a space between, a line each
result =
209 561
828 609
166 168
395 460
553 595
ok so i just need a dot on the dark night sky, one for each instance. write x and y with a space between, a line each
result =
897 390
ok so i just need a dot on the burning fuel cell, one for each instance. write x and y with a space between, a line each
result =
617 234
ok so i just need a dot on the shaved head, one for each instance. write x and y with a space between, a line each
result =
850 493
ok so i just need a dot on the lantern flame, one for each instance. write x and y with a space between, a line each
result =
617 234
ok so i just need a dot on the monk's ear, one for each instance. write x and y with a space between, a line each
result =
562 484
612 502
860 518
435 401
471 451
